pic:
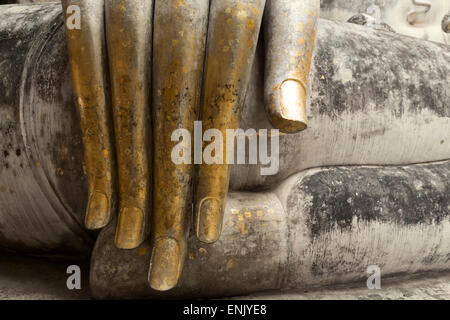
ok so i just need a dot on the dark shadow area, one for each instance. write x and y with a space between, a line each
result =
40 278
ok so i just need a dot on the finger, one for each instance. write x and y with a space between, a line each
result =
289 33
128 31
88 65
232 38
179 46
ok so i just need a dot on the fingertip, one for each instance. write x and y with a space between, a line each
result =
98 213
286 125
165 264
291 115
209 220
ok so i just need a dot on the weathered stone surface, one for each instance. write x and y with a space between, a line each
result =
320 227
37 279
376 98
41 174
420 20
367 20
341 220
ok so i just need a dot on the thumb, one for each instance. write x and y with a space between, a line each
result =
289 34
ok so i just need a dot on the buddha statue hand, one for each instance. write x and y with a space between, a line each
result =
140 71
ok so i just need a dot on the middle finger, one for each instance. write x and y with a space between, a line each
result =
179 42
128 32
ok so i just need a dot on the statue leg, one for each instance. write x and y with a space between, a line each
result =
320 227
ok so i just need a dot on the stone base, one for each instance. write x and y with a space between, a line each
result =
36 279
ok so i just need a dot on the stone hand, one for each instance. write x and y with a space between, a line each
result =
202 55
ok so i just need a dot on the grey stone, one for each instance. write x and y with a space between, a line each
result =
320 227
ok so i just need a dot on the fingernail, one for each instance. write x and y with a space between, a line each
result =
130 228
98 213
293 106
209 222
165 265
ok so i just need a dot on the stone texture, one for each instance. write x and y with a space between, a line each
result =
32 278
372 100
320 227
